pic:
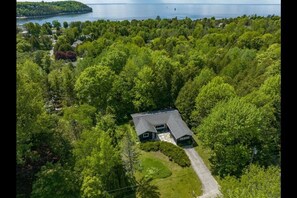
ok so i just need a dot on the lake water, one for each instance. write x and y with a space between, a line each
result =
146 11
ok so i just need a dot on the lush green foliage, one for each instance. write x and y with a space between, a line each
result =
214 92
222 75
33 9
93 86
174 153
53 180
99 164
233 130
186 97
150 146
254 182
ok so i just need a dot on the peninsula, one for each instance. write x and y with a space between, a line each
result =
46 9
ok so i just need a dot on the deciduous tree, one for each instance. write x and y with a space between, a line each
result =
93 86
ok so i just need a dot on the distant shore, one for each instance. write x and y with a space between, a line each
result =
33 10
51 15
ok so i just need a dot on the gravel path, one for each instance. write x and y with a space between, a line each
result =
209 184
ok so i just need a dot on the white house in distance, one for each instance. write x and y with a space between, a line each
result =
149 124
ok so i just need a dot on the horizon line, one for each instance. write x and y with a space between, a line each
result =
188 3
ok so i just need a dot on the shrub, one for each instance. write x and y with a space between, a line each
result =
174 153
150 146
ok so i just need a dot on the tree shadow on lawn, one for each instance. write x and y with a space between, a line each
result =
146 189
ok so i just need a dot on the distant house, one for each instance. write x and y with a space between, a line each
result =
25 33
76 43
149 124
221 25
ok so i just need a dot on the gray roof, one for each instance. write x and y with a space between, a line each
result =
76 43
147 121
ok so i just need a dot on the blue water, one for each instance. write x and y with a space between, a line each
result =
146 11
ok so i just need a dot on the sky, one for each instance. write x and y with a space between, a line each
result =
176 1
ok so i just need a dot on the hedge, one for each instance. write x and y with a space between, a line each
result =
174 153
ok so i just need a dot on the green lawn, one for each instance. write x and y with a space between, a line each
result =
154 168
182 183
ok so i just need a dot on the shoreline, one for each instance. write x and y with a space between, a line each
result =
50 15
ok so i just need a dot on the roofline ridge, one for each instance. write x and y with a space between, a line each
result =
141 114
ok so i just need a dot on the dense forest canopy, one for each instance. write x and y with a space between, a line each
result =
78 83
39 9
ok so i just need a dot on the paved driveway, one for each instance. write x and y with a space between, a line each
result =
209 184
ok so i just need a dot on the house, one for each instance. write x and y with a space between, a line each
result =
76 43
149 124
25 33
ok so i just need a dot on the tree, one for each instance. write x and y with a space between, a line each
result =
138 40
250 39
56 24
33 28
122 96
107 123
256 181
266 63
212 93
163 68
186 96
95 157
233 130
29 106
129 151
61 82
34 42
65 24
75 119
146 189
46 29
267 99
71 34
144 90
54 180
45 43
237 60
115 57
23 45
43 144
30 103
93 86
100 165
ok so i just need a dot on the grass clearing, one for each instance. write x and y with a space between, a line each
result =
155 168
182 183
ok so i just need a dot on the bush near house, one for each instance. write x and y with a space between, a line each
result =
174 153
150 146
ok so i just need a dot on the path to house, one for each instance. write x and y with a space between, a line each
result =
209 184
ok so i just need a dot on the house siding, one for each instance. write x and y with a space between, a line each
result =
184 140
150 137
